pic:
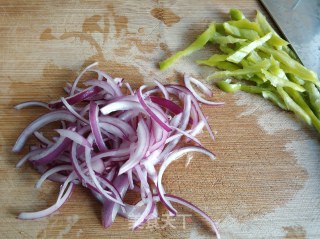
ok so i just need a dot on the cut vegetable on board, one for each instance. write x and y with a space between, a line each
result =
255 59
114 139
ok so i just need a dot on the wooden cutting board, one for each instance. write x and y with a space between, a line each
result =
265 181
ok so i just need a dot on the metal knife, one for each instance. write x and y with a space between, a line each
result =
299 21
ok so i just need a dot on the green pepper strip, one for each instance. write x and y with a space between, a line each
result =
227 66
242 33
228 87
246 24
226 49
292 66
265 64
314 97
252 89
220 39
275 40
293 106
195 46
231 88
296 79
236 14
244 51
301 102
213 60
253 57
277 81
274 98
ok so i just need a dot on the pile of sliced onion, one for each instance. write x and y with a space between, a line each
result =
112 138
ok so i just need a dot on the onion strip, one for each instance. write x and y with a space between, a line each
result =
114 139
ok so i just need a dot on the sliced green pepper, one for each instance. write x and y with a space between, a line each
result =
242 33
275 98
295 79
281 82
252 89
220 39
236 14
233 87
277 71
314 97
195 46
291 65
220 28
228 87
257 79
265 64
212 60
304 106
228 66
226 49
293 106
253 57
261 62
265 27
246 24
244 51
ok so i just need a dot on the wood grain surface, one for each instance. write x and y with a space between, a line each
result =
265 181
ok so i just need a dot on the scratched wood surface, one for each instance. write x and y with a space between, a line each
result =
265 181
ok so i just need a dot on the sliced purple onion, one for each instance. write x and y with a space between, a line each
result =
52 171
43 120
140 148
74 99
74 85
155 117
49 210
187 82
111 209
52 152
94 124
31 104
185 203
174 156
75 137
113 140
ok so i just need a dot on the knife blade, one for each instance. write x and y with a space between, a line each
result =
299 22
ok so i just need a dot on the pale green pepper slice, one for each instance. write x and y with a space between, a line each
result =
246 24
274 98
293 106
265 64
195 46
228 87
254 57
244 51
227 66
242 33
314 97
258 78
276 70
212 60
295 79
252 89
265 27
281 82
291 66
226 49
296 96
220 39
236 14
